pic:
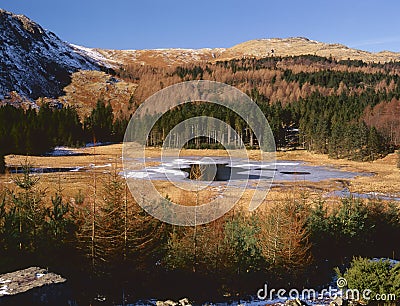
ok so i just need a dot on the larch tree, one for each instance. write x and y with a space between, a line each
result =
28 211
284 236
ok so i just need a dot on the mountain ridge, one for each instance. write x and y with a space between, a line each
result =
36 64
264 47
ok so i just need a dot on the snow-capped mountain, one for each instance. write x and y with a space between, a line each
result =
34 62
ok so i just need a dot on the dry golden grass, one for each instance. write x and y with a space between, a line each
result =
156 152
386 178
185 196
97 155
106 156
161 57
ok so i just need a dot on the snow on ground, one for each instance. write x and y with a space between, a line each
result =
77 169
345 193
99 166
393 262
4 287
247 303
97 56
97 144
64 151
254 302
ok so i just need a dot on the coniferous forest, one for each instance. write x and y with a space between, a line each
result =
37 132
347 109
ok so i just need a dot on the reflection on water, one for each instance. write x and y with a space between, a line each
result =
19 169
219 172
224 169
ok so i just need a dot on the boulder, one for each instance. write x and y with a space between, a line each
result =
33 286
181 302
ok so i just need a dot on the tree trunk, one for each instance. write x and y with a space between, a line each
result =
2 164
93 254
125 221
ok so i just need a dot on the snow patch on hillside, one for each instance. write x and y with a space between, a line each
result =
95 55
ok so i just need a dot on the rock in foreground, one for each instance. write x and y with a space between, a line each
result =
32 285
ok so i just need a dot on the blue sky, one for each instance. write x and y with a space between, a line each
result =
129 24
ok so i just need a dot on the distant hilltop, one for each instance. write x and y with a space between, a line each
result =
293 46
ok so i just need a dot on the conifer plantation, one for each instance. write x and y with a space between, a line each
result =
37 132
347 109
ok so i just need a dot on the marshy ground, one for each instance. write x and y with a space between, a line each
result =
87 166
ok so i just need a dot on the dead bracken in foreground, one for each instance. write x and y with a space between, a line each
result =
23 280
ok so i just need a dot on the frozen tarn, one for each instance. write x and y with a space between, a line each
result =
36 170
241 170
169 171
288 163
136 175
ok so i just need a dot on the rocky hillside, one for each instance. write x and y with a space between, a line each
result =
159 57
87 87
34 62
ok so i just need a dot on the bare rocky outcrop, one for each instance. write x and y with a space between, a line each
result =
24 280
32 286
